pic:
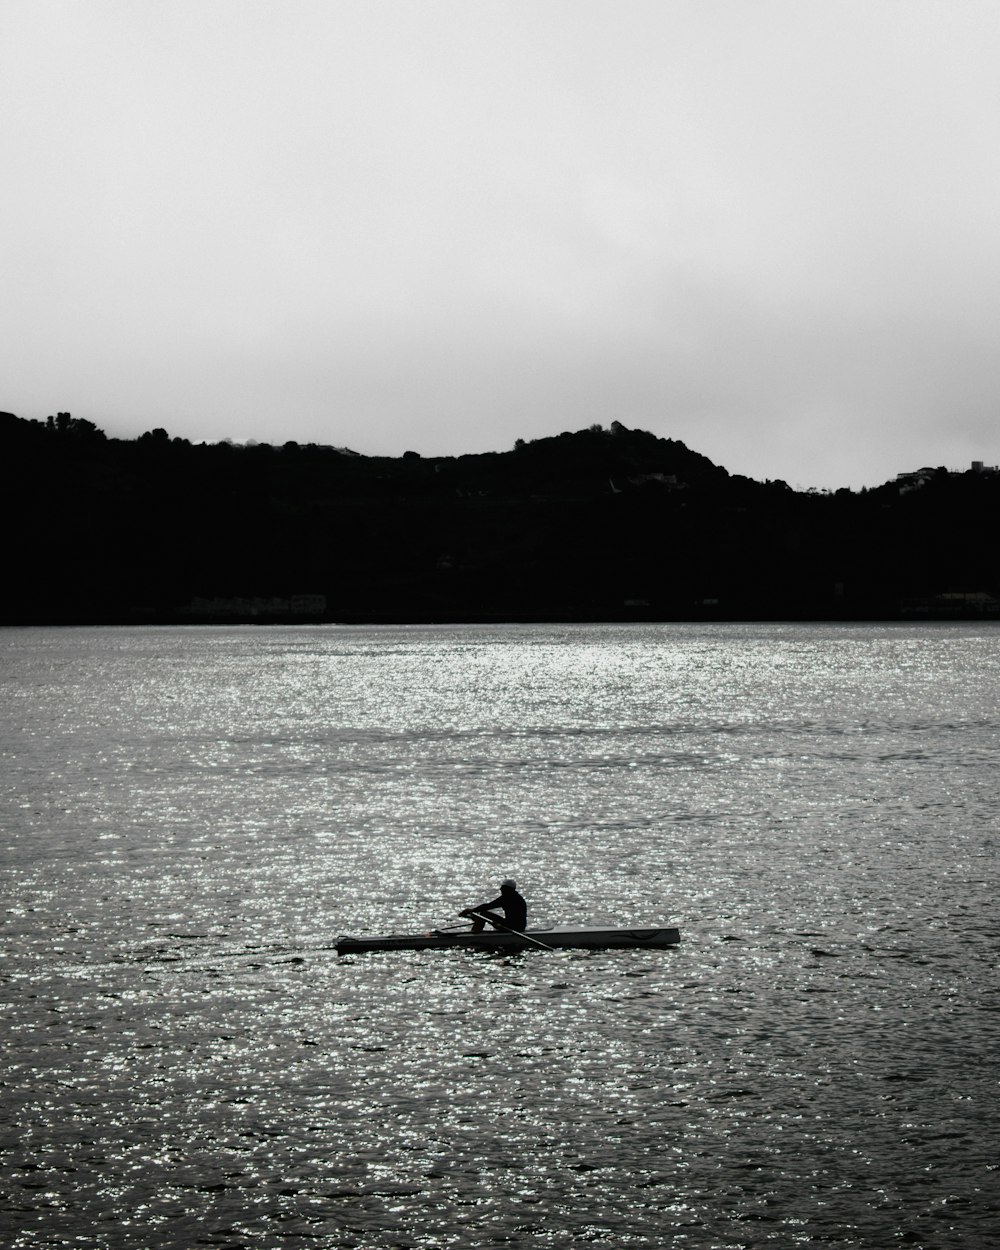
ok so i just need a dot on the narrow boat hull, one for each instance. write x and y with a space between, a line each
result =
496 940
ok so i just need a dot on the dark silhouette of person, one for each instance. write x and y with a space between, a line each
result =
515 910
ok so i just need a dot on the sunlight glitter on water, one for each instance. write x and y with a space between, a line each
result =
194 816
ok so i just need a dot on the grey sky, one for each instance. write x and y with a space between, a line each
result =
765 227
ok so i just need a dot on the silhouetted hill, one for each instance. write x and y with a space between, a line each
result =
608 524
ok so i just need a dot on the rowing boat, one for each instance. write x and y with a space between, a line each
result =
494 940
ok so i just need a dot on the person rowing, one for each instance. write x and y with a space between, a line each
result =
515 910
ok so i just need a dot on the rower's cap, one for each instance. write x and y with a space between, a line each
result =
509 883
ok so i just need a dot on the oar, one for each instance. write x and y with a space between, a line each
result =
517 932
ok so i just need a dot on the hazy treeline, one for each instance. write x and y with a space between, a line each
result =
600 524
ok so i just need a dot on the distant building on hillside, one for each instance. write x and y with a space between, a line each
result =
920 477
913 481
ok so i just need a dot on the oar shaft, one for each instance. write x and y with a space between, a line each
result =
506 927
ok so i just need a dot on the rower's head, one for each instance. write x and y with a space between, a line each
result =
509 884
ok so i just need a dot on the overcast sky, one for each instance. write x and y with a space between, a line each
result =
769 228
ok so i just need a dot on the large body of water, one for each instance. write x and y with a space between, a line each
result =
191 816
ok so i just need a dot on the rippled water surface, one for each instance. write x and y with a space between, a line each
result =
191 816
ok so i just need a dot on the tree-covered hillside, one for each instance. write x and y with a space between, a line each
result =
609 524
